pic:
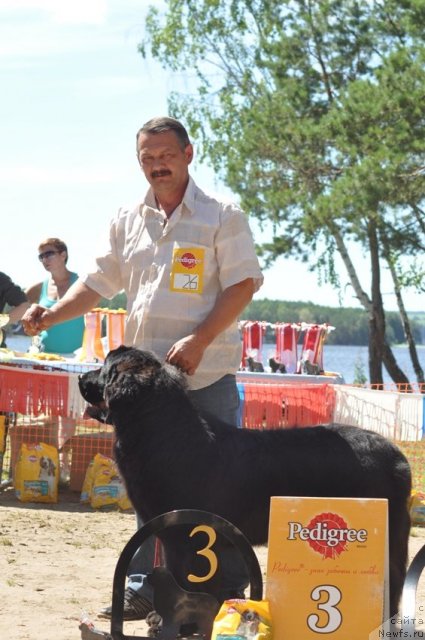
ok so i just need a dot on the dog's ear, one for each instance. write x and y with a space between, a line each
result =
129 378
121 387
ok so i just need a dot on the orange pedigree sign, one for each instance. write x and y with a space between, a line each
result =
327 567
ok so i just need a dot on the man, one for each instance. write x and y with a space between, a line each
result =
13 296
188 266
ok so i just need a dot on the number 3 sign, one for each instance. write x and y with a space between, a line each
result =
206 524
327 567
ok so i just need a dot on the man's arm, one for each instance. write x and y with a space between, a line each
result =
16 313
78 300
187 352
33 293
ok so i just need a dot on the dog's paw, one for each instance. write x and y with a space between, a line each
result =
154 622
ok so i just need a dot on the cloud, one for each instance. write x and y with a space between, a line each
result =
109 86
32 175
27 45
71 12
31 30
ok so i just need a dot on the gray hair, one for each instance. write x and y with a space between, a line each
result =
162 124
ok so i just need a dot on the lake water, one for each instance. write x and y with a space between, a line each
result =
343 359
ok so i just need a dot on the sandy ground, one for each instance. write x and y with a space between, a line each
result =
57 563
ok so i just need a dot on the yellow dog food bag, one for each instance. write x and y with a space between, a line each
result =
103 486
37 473
88 483
243 620
417 508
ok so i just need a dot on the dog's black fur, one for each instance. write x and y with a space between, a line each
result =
171 458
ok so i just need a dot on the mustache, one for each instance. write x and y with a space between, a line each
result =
161 173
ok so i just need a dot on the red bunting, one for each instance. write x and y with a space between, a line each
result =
32 392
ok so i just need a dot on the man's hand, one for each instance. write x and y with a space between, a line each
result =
186 354
36 319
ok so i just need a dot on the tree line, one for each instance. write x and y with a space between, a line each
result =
351 324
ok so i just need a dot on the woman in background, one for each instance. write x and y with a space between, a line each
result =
65 337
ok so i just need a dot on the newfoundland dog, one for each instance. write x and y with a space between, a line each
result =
172 458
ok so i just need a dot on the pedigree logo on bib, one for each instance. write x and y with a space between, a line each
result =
327 570
187 270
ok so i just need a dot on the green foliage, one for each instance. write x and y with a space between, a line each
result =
118 302
312 112
359 373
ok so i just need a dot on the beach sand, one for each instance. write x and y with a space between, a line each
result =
57 564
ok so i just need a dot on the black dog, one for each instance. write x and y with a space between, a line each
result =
171 458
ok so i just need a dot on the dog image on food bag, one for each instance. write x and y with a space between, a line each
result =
47 472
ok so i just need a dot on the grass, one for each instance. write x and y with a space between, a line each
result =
6 542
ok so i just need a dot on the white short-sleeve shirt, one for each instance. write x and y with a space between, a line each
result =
172 272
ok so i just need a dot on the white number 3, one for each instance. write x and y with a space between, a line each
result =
334 617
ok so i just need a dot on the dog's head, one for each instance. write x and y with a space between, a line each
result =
119 381
47 465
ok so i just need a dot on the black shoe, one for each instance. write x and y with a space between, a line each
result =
135 607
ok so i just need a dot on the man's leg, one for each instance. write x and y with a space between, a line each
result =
141 565
221 400
138 593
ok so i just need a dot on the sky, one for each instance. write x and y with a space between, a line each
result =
74 91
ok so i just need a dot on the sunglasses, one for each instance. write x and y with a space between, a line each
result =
46 254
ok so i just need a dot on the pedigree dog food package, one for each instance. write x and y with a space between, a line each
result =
103 486
243 620
88 482
37 473
417 508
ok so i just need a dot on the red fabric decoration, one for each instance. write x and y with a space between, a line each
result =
252 340
286 345
33 392
314 340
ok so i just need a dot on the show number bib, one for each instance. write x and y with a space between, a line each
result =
187 270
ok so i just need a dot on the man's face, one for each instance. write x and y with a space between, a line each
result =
163 161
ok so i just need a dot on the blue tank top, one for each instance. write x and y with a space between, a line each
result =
66 336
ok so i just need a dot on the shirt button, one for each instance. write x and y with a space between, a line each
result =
153 272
